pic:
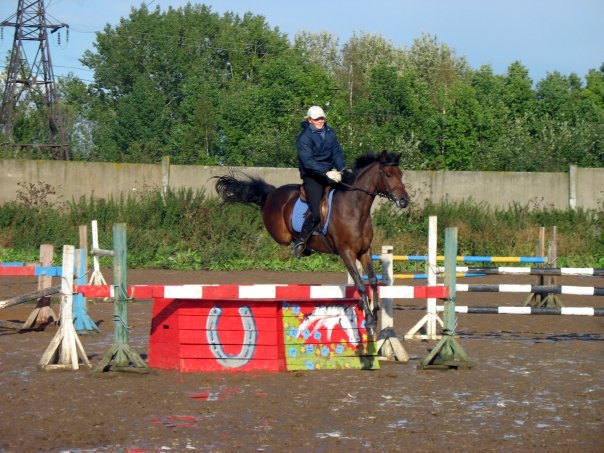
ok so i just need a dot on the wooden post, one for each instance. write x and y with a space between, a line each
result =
65 348
552 300
549 300
97 277
448 353
43 313
120 356
388 344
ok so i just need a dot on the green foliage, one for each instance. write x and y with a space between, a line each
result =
213 89
187 230
495 232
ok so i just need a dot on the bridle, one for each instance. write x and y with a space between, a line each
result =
387 194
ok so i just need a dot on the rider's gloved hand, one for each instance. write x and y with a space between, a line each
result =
334 176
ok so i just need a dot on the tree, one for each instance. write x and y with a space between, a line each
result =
359 55
230 90
518 95
320 49
200 87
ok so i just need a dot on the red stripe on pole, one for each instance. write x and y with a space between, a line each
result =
17 271
437 292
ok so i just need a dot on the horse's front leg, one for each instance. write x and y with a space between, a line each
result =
350 263
367 263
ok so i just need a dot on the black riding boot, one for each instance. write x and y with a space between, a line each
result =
308 227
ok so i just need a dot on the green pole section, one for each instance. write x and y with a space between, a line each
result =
120 356
448 353
120 307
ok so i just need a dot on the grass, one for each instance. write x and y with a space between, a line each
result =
187 230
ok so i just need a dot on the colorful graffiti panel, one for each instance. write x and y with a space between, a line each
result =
328 336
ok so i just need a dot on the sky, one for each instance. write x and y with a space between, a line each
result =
544 35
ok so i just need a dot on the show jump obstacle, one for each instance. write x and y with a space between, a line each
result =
259 327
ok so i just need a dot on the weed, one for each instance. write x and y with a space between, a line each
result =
186 230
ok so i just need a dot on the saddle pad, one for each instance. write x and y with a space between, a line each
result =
300 209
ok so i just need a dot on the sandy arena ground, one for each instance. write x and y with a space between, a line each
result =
537 385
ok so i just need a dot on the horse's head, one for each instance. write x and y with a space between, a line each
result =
390 182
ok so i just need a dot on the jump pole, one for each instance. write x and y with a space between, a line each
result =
448 353
388 345
120 357
431 317
65 348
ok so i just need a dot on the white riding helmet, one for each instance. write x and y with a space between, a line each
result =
315 112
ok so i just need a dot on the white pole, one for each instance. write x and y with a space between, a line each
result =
430 318
97 277
431 271
388 344
387 312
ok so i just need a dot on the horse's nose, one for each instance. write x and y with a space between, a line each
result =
403 202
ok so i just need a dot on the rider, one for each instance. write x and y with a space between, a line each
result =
318 153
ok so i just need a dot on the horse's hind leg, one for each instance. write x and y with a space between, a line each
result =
350 262
367 263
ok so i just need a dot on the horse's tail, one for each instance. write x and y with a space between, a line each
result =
247 189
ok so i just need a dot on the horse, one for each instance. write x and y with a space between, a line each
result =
349 232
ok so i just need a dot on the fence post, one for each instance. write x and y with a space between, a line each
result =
97 277
120 353
448 353
388 345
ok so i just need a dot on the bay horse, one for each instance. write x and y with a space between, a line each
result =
349 232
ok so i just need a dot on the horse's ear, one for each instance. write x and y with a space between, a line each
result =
383 156
386 158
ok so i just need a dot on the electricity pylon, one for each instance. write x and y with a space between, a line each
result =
31 31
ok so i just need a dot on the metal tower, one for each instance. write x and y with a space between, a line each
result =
31 32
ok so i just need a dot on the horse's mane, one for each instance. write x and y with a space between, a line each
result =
367 159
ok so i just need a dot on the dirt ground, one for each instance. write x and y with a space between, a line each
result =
537 384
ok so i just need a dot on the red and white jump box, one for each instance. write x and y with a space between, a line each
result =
252 328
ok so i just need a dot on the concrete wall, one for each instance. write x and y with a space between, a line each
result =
581 187
590 188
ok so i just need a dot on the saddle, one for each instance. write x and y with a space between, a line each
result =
324 202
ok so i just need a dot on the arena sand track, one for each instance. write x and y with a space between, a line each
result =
537 384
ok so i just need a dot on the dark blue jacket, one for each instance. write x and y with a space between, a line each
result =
318 155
